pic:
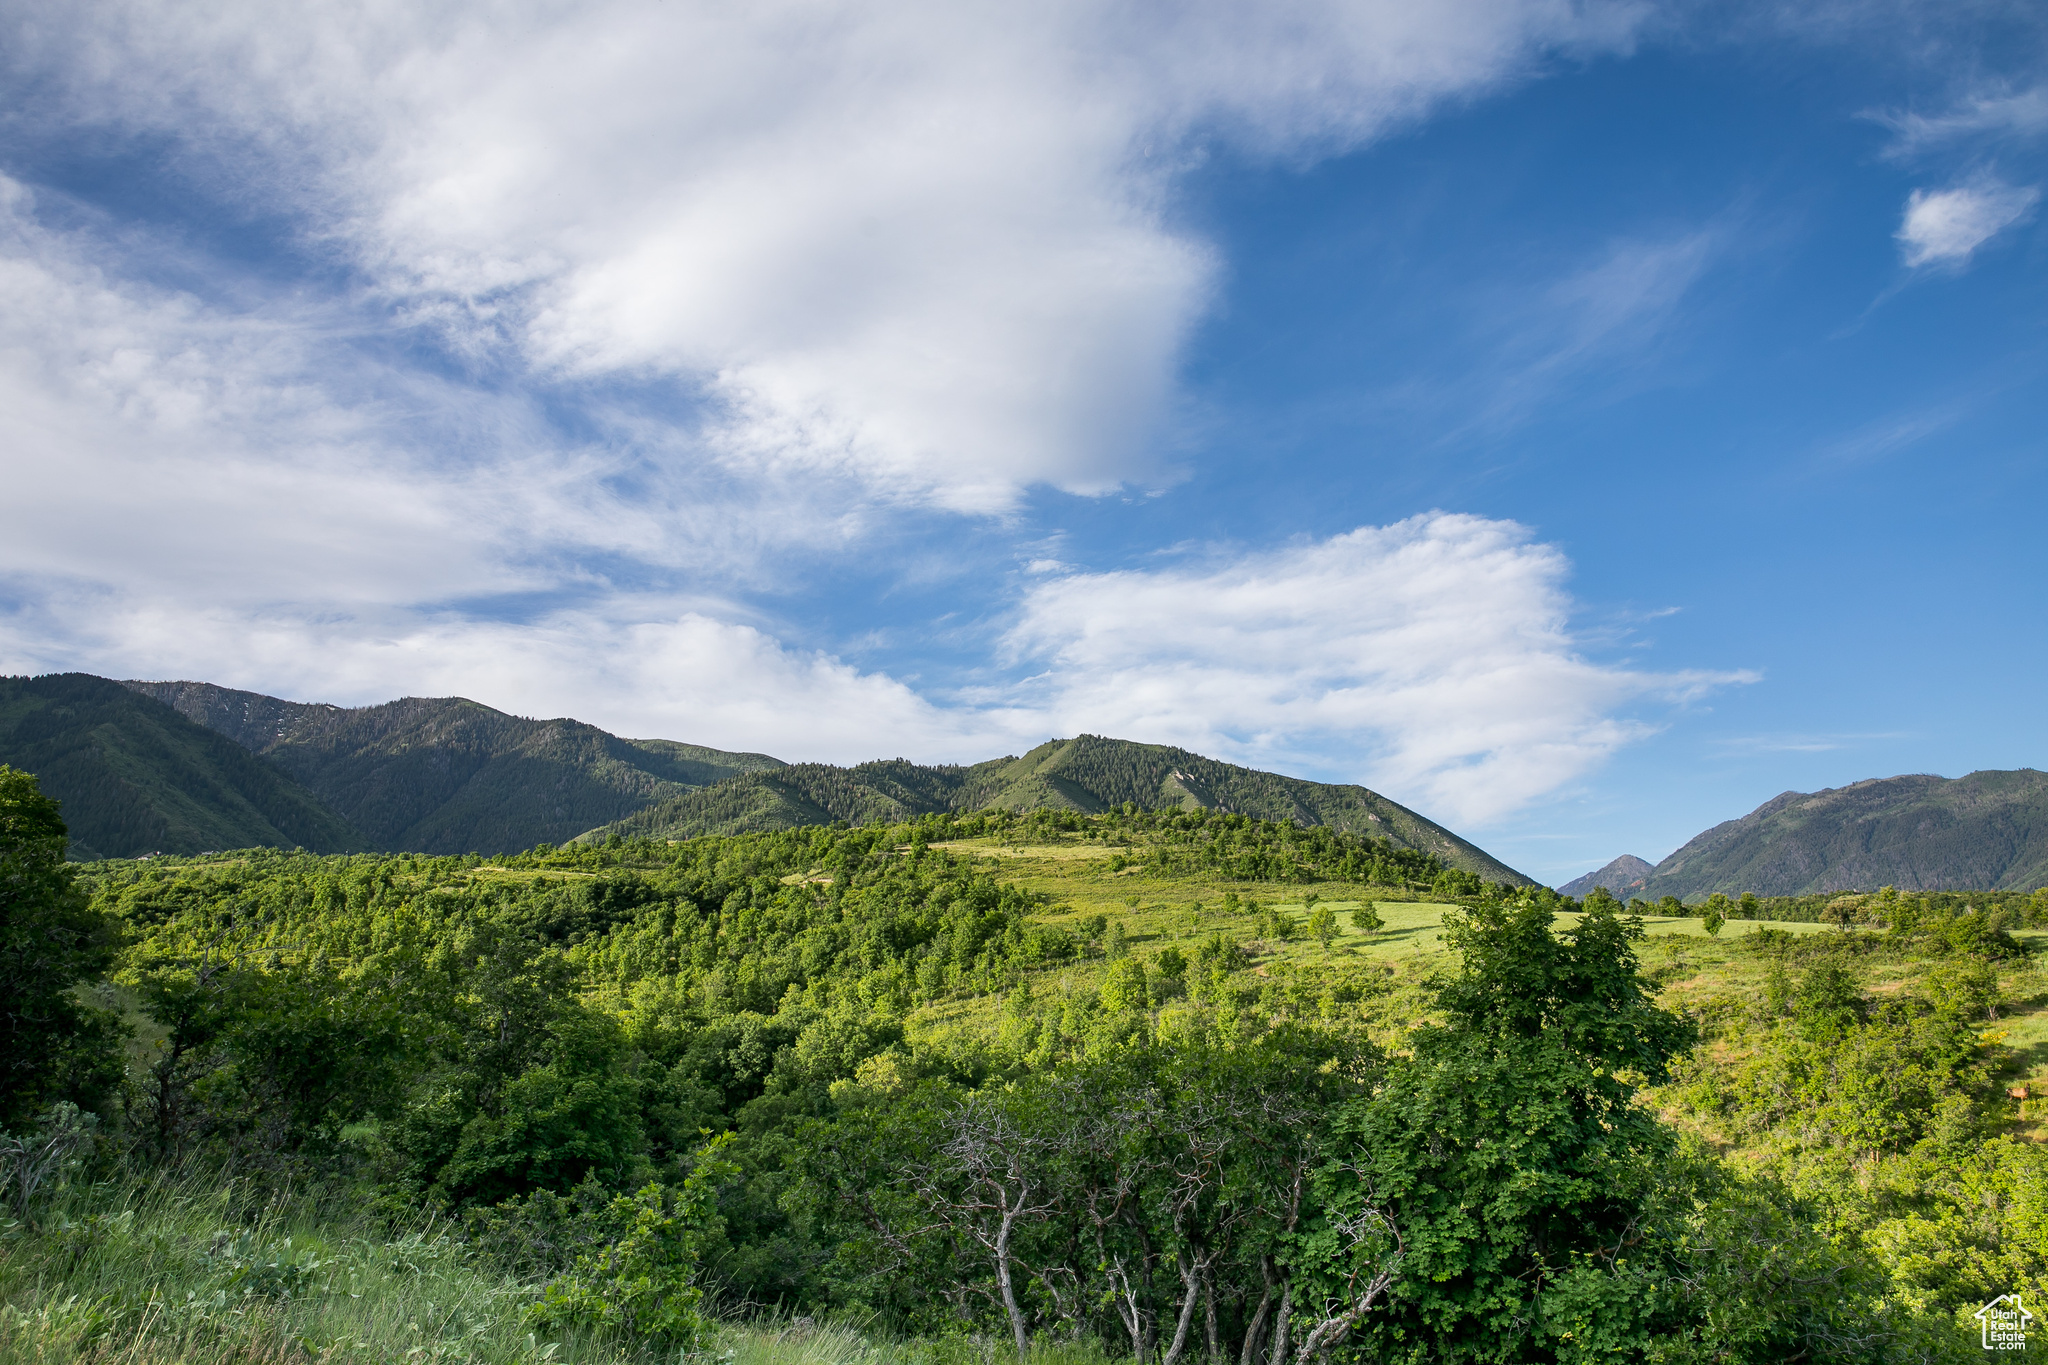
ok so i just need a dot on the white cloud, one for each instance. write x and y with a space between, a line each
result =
1943 227
1432 659
923 242
1803 744
790 267
687 676
1606 317
158 445
2021 113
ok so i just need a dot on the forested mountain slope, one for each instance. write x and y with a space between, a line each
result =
1087 774
137 777
1987 831
447 775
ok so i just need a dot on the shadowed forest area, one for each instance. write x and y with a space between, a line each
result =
1159 1086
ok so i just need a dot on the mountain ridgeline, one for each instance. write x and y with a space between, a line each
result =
136 777
184 767
1984 832
1088 774
446 775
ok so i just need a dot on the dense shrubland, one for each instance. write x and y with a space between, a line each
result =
1878 1112
600 1096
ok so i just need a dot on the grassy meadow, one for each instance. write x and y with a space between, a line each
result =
1696 973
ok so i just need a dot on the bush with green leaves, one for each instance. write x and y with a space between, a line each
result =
252 1265
1474 1204
640 1275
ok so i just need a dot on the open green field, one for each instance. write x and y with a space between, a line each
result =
1694 971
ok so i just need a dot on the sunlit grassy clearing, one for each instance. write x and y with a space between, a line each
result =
1693 970
1157 910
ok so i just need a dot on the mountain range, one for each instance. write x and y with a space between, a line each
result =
181 767
1984 832
135 776
1086 773
446 775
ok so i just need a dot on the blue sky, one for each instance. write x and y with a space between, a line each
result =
1581 423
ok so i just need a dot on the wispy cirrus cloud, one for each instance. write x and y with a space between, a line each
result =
1803 743
1608 315
1589 325
1984 114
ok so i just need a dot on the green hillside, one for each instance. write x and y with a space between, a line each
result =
447 775
1087 774
136 777
529 1108
1987 831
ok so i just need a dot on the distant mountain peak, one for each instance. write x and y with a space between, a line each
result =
1624 877
1987 831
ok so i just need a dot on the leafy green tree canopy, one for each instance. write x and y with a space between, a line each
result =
1492 1188
51 1046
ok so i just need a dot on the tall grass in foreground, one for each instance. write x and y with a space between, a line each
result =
197 1272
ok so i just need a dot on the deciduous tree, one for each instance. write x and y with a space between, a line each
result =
52 1047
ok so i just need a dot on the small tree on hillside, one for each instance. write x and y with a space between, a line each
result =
1842 912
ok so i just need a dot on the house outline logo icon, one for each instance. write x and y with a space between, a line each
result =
2004 1321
